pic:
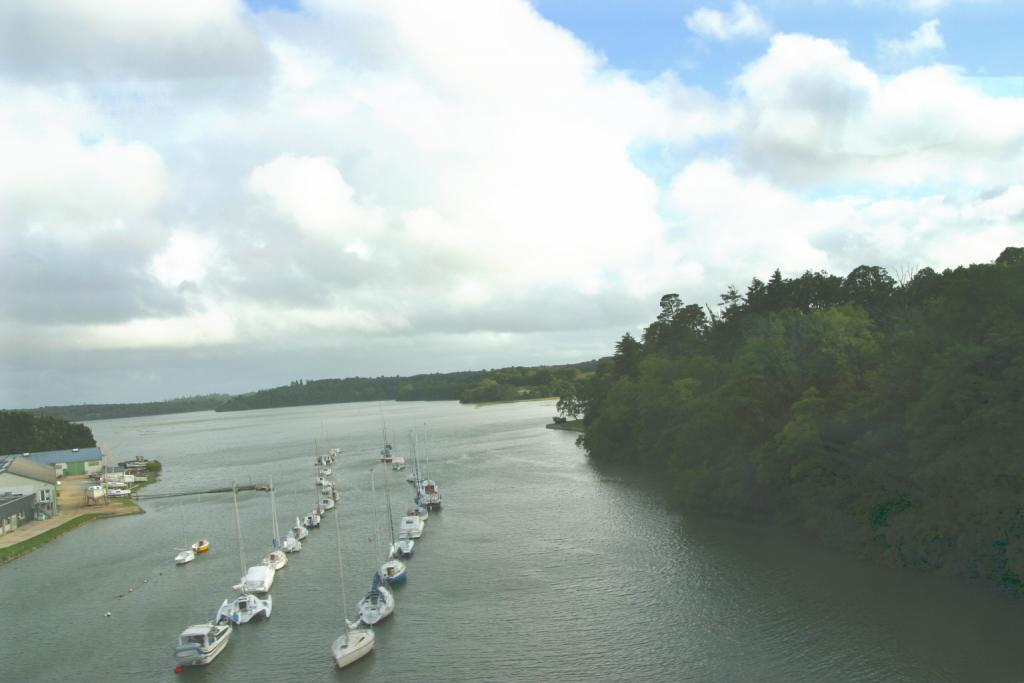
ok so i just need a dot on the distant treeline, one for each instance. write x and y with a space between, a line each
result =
23 432
884 416
469 387
104 411
475 386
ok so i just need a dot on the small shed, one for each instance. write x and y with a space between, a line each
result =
16 509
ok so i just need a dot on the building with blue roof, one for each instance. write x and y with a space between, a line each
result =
69 462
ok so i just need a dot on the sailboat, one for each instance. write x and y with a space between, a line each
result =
393 570
377 604
244 607
185 555
276 558
355 642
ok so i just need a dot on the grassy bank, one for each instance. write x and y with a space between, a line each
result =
28 545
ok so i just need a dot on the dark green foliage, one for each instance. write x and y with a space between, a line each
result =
884 416
469 387
23 432
108 411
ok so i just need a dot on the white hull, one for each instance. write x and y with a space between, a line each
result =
376 606
276 560
199 645
244 608
352 646
184 557
290 544
257 579
411 526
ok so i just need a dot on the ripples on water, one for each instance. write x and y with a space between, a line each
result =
539 568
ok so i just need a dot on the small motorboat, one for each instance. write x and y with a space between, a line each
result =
276 559
377 604
385 454
403 548
322 481
393 572
243 608
200 546
398 463
311 521
411 526
290 544
324 471
428 495
200 644
299 531
184 557
257 579
352 645
327 502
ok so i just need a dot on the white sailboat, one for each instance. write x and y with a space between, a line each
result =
393 571
299 532
244 607
377 604
276 558
410 526
355 642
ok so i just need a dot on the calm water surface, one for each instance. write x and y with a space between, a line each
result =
539 568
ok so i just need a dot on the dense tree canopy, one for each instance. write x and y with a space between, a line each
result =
879 414
23 432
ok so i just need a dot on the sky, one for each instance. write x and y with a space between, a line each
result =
221 196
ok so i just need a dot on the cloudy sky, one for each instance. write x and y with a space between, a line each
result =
218 195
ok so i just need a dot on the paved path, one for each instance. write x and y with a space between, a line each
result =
71 504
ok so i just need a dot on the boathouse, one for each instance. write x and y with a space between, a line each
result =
20 476
70 462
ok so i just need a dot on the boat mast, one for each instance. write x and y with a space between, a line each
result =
238 528
341 571
373 505
387 499
273 511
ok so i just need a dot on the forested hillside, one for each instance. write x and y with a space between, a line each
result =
884 416
104 411
22 432
473 386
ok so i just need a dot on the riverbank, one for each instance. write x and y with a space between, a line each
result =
569 425
74 512
13 545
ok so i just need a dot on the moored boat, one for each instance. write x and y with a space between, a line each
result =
276 559
243 608
184 557
200 644
200 546
377 604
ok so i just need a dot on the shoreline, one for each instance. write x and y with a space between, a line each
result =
46 534
570 426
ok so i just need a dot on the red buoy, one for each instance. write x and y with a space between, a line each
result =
178 669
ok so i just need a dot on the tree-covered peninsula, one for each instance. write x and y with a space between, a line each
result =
23 432
883 416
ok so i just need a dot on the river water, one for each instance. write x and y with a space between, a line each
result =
539 568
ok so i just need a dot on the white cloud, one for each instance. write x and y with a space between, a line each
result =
186 258
72 39
924 40
811 114
743 21
405 173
